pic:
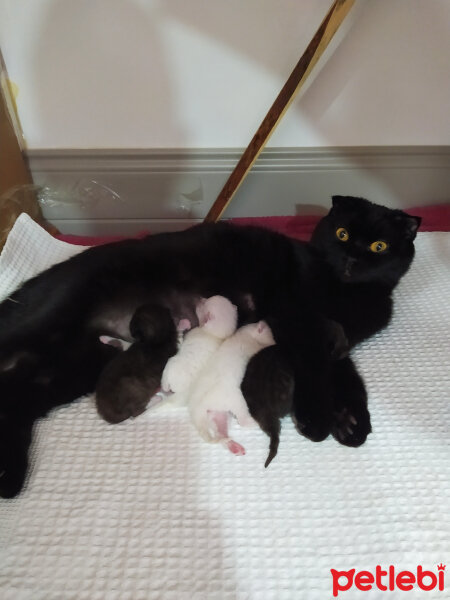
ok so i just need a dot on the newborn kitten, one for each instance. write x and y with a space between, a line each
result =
217 321
268 385
216 392
128 382
268 388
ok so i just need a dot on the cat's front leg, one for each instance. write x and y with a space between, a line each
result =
15 438
350 415
307 354
312 401
336 339
303 339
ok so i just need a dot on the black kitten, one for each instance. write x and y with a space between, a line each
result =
268 388
129 381
358 254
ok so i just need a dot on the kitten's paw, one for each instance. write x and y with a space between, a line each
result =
174 379
351 426
234 447
312 424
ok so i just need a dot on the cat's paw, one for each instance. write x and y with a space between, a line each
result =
13 460
351 426
313 424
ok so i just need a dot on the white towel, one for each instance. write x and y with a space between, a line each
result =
146 510
29 249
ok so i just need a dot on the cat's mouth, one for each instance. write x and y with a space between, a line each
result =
348 267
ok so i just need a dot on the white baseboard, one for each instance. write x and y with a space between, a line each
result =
99 192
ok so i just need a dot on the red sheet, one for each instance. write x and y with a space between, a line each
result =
434 218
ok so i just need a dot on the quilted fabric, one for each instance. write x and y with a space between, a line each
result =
146 510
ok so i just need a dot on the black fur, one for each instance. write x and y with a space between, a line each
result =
268 388
54 322
128 382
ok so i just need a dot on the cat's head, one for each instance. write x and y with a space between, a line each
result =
365 242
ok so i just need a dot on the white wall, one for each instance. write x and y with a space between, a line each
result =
202 73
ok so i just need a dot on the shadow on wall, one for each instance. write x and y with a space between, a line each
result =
144 81
393 63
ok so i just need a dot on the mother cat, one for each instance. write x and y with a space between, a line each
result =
50 352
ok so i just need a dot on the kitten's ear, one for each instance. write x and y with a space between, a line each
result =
262 325
183 325
114 342
410 224
209 316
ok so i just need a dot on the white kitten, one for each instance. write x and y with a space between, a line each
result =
217 321
217 390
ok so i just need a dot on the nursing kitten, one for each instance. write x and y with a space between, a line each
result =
268 388
127 383
216 393
217 318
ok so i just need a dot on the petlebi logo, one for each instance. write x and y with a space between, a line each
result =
388 579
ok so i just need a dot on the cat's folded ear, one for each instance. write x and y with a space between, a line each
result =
346 201
338 201
409 223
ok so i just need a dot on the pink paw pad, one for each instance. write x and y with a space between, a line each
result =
235 448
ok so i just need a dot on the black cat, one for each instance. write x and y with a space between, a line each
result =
367 249
49 344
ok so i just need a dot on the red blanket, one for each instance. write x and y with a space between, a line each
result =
434 218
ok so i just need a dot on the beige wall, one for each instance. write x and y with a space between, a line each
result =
202 73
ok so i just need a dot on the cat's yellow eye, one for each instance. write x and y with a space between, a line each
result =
342 234
378 246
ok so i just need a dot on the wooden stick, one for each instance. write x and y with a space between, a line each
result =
303 68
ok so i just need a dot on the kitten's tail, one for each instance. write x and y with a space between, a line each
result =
273 431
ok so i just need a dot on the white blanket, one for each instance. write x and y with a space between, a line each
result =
146 510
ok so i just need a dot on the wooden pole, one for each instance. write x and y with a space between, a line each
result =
297 78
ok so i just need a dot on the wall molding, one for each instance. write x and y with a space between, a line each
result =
114 190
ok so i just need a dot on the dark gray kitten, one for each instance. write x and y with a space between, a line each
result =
127 383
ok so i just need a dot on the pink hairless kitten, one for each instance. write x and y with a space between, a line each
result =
216 393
